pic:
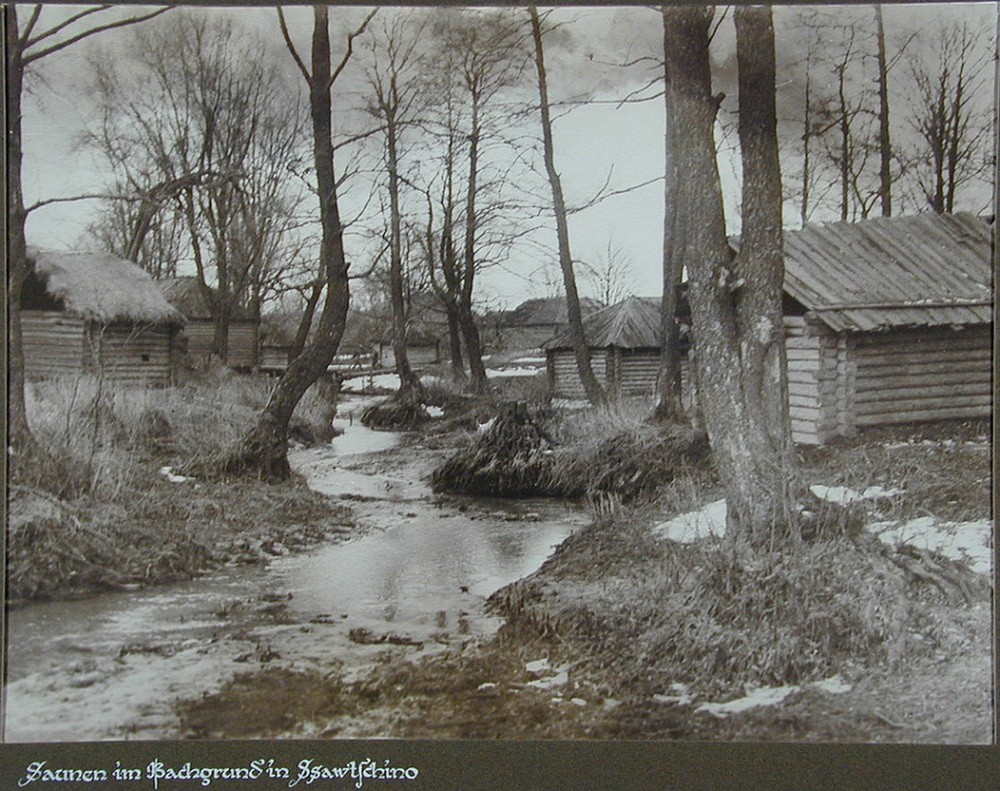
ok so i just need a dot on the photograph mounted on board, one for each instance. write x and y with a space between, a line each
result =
512 373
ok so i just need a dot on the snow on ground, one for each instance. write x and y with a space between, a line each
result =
764 696
769 696
962 541
842 495
168 473
529 361
500 373
709 522
434 411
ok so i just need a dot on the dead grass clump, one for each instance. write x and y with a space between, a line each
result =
631 462
783 617
402 411
513 458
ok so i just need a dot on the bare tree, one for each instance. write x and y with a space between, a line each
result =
26 45
610 274
954 127
395 96
192 103
575 318
736 301
264 449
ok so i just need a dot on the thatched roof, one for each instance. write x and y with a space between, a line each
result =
186 295
101 287
633 323
548 312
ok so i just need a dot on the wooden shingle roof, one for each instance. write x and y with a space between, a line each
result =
921 270
546 311
633 323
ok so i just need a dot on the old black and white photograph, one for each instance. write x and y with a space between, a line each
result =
500 372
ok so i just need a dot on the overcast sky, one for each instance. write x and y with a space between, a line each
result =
591 142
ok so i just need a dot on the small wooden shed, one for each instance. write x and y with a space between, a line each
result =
187 296
624 342
888 320
89 312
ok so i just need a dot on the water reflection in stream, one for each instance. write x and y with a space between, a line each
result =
109 667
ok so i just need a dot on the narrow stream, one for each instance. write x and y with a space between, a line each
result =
415 580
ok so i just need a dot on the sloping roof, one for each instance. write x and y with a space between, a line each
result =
921 270
101 287
633 323
186 295
549 311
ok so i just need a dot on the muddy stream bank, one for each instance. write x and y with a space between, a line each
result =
411 580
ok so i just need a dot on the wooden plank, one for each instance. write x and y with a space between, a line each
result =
924 405
944 413
920 379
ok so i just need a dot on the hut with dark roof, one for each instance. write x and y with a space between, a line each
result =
624 343
888 320
90 312
536 321
187 296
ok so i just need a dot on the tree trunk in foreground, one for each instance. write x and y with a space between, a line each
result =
736 303
668 387
264 450
590 384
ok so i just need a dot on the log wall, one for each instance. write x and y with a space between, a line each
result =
635 371
131 354
242 342
926 374
53 343
564 376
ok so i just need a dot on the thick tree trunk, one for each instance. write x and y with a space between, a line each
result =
455 341
264 450
590 384
668 388
736 314
19 435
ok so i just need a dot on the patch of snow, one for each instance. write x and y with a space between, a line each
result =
528 361
486 687
558 680
679 695
835 685
710 521
764 696
168 473
484 427
842 495
500 373
578 701
434 411
961 541
538 666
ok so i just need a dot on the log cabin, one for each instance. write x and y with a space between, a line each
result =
187 296
624 343
96 313
888 321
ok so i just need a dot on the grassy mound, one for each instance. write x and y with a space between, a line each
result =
513 458
402 411
630 463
